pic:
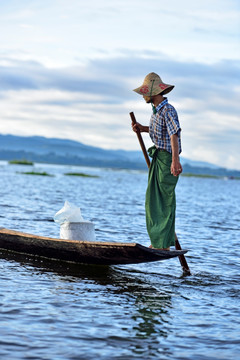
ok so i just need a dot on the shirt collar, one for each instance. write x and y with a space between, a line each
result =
164 102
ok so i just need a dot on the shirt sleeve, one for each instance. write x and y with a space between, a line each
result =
172 122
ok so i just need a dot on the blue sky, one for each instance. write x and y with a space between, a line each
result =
68 67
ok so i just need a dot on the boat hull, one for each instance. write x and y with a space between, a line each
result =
85 252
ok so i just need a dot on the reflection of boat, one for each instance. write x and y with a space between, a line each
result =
87 252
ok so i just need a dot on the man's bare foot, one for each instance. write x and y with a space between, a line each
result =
159 249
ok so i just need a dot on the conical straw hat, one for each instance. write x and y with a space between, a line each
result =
153 85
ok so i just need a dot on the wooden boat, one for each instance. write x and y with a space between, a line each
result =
85 252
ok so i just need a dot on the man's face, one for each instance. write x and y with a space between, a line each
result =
147 99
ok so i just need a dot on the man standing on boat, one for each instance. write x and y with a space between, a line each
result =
164 130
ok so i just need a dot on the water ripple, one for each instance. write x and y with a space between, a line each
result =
55 310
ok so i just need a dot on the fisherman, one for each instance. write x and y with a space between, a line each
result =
164 130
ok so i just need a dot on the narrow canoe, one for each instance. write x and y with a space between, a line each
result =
85 252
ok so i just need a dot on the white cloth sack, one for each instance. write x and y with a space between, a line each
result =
69 213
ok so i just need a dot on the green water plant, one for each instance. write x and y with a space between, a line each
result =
81 174
44 173
201 176
21 162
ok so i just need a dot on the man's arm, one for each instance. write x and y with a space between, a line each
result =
140 127
176 167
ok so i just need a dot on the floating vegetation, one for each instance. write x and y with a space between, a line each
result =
201 176
21 162
44 173
81 174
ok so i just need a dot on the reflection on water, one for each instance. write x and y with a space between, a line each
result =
56 310
147 307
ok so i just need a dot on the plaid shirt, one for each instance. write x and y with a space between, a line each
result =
163 125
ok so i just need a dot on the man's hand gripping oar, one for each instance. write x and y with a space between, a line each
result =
182 258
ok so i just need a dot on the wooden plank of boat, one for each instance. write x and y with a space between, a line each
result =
105 253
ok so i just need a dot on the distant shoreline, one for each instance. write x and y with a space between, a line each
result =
67 152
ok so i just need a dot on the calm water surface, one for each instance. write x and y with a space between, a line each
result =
55 310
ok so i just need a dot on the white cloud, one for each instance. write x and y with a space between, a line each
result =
64 31
67 69
95 111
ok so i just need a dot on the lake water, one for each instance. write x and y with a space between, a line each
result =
55 310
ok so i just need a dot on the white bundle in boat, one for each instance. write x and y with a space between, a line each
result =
72 224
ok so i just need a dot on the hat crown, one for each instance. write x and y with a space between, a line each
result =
152 77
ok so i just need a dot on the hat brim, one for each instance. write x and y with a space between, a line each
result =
144 90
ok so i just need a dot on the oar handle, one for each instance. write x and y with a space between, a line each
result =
182 258
140 139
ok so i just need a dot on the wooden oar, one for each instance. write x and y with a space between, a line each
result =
182 258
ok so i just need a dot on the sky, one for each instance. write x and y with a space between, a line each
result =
68 68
